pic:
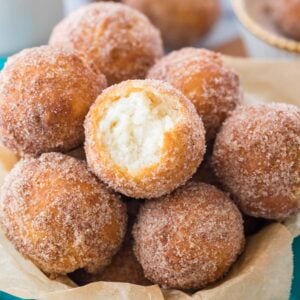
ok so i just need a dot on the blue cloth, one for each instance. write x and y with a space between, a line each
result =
2 62
295 295
296 283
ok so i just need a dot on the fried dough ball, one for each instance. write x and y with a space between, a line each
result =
123 268
203 78
143 138
286 14
58 215
189 238
117 40
182 23
45 96
257 157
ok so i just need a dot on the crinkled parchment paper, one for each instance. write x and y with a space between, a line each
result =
263 272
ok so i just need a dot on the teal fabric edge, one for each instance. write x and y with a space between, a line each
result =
295 295
2 62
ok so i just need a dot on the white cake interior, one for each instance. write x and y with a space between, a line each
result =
133 130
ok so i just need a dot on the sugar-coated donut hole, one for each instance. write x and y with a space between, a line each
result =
115 39
189 238
134 128
286 15
205 79
57 214
257 159
154 151
124 266
46 93
181 22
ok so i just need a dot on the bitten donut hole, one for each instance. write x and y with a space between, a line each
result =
134 127
143 138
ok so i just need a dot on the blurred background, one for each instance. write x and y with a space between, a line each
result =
257 28
27 23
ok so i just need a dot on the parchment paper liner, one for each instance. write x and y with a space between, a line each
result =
263 272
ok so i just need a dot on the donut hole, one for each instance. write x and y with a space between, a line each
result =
134 127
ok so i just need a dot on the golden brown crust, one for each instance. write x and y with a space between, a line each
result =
45 95
181 23
60 216
182 151
123 268
190 238
257 157
286 14
203 78
117 40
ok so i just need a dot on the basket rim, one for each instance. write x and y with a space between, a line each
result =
260 32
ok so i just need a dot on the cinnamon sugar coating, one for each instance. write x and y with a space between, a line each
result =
203 78
116 39
58 215
182 146
190 238
45 94
286 14
182 23
257 157
123 268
